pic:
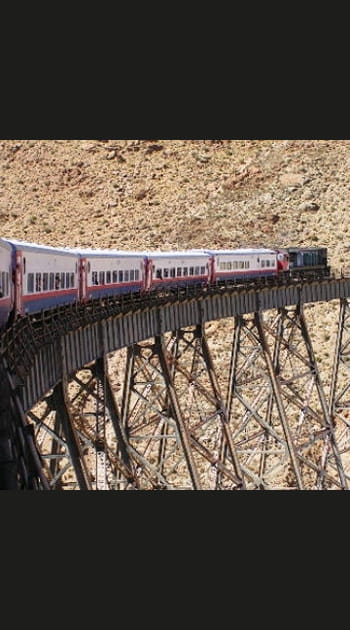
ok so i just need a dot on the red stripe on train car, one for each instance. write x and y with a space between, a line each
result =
245 271
178 279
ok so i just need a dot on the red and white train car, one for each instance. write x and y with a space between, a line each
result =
6 283
180 269
44 276
242 264
110 272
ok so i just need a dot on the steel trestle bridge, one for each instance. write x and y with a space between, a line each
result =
134 393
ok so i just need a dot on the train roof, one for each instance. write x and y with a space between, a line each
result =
240 252
36 247
4 243
74 251
305 249
177 254
113 253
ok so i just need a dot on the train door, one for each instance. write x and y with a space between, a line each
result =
83 267
211 269
19 283
148 274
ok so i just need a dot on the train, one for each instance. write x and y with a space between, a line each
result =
35 277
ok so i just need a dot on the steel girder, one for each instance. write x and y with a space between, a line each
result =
167 414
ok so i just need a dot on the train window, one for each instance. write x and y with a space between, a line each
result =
45 281
115 276
108 277
179 272
247 264
191 272
94 279
196 271
102 277
24 266
202 271
57 281
185 271
262 264
67 280
159 274
121 276
126 275
132 275
4 284
72 280
166 273
241 264
63 280
30 283
52 281
137 274
172 272
38 282
267 263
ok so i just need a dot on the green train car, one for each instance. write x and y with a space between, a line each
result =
308 262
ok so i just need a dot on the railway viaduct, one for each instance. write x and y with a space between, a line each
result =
158 413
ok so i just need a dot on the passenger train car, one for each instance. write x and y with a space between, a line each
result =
35 277
6 283
103 273
243 264
177 269
44 276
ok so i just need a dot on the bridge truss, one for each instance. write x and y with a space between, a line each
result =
180 411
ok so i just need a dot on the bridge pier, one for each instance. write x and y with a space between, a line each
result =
339 400
278 407
8 456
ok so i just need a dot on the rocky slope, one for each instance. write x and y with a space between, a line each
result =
177 193
180 194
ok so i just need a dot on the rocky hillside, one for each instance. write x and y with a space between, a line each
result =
177 193
149 194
